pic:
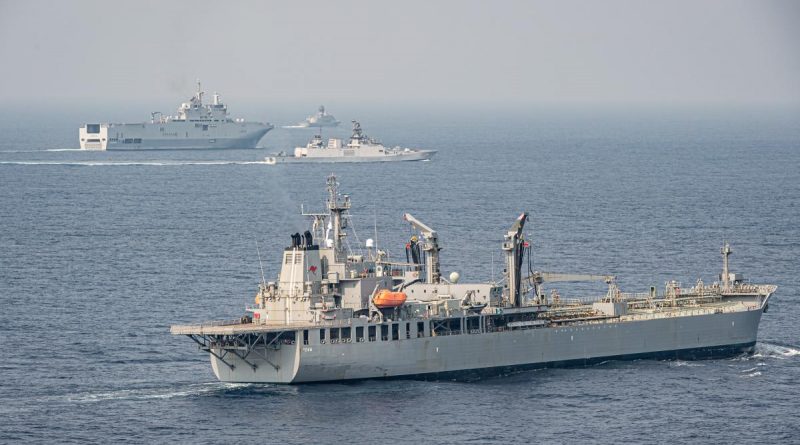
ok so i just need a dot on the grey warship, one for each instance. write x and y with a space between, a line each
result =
195 126
360 148
334 314
320 119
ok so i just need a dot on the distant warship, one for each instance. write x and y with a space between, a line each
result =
360 148
335 314
196 126
320 119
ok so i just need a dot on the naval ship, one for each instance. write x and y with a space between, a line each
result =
320 119
196 126
360 148
334 314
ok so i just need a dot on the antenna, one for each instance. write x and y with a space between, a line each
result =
375 226
492 266
261 266
199 91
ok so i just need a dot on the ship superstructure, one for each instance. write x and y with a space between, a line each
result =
195 126
359 148
336 314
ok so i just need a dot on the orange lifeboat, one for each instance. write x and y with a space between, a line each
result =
386 299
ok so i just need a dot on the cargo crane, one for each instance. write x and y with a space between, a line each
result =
514 246
430 245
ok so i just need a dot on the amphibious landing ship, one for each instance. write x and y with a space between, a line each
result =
334 314
196 126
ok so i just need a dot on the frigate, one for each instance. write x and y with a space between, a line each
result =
360 148
319 120
339 314
196 126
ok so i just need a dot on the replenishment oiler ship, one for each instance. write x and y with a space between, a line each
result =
196 126
333 314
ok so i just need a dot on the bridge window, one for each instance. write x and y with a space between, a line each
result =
371 333
346 335
384 332
420 329
93 128
334 335
473 325
395 331
322 336
359 333
408 330
305 336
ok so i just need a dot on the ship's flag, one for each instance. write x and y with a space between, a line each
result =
313 269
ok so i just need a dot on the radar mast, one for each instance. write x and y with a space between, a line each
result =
338 205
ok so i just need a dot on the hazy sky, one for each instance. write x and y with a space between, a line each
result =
439 52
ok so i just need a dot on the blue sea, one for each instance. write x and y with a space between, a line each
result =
100 252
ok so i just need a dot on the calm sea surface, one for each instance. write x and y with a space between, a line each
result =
101 252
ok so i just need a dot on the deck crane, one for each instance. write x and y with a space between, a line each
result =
430 245
514 246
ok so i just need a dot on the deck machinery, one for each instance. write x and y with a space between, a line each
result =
334 314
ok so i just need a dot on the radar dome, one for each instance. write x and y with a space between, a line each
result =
454 276
370 243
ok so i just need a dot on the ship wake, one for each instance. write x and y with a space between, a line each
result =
157 393
40 151
212 389
131 163
772 350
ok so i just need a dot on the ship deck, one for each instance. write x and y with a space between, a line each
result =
575 313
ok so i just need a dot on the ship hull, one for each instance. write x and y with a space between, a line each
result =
173 136
306 125
421 155
686 337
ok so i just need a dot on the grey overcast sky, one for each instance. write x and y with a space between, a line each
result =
441 52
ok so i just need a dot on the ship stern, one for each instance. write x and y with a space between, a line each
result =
266 366
93 137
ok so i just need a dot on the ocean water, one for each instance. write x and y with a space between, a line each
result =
101 252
